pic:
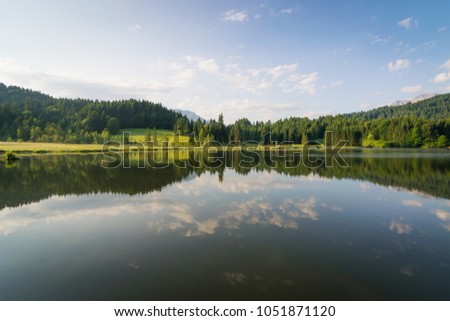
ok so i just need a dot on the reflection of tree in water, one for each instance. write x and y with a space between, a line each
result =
40 177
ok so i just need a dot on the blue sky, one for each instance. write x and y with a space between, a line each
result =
256 59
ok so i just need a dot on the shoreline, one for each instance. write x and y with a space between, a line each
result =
33 148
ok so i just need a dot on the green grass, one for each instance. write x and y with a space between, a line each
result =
138 135
32 147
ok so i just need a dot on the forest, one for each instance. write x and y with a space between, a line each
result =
27 115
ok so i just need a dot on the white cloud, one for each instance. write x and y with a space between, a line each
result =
411 89
378 39
441 77
444 76
441 29
303 83
134 28
399 64
253 109
287 11
72 85
446 64
408 23
208 65
279 70
183 77
251 80
259 80
257 16
235 16
411 50
448 88
336 83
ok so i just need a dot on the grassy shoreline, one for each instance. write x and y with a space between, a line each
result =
44 148
31 148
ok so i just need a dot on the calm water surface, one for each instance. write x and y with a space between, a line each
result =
379 229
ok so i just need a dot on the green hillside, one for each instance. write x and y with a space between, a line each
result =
26 115
437 107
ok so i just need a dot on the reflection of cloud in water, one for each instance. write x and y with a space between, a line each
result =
9 225
442 215
164 213
62 208
413 203
301 208
181 216
235 184
407 270
400 228
134 265
279 221
256 211
234 278
364 186
202 228
169 211
333 208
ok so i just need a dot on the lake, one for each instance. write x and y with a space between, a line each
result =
378 229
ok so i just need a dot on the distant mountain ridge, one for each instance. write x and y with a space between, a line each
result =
413 100
189 114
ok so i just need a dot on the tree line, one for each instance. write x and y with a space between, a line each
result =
422 124
32 116
26 115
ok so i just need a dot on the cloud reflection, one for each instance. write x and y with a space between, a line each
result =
235 278
300 208
400 228
201 206
442 215
413 203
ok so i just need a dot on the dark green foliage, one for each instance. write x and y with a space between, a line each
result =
434 108
113 125
422 124
10 156
31 116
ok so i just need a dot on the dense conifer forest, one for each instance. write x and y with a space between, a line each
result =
27 115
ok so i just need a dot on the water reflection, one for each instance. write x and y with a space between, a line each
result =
72 230
400 228
37 178
202 205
